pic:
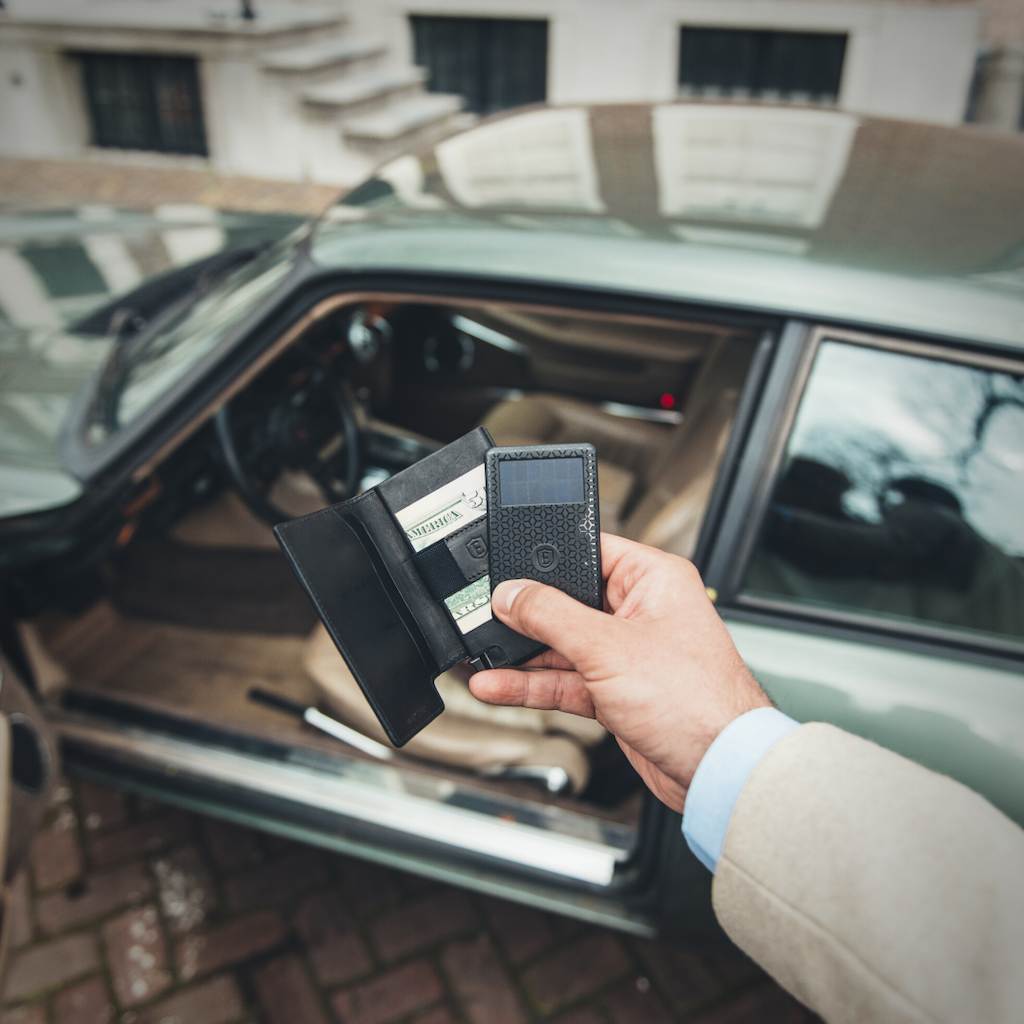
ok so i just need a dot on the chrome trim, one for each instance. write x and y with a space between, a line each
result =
640 412
426 807
555 780
492 337
925 349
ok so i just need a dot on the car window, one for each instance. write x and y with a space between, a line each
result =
184 342
900 493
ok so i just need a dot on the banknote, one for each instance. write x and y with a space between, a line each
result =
440 513
445 510
471 606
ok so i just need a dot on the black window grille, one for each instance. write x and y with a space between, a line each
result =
144 102
795 66
493 63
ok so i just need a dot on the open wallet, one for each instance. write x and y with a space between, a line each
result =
400 577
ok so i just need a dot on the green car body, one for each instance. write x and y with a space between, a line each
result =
931 246
915 241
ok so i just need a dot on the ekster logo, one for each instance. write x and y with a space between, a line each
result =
476 547
544 557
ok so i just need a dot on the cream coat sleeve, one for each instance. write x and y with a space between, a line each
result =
874 889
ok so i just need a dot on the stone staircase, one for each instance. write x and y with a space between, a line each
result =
355 104
301 91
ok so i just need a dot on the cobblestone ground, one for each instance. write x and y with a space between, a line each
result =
137 913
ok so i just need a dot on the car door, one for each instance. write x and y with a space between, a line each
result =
870 557
29 769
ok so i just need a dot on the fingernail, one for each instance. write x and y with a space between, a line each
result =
505 593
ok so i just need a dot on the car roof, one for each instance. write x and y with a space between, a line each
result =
803 211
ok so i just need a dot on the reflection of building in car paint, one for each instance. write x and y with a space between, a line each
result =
729 177
544 159
89 256
735 164
55 270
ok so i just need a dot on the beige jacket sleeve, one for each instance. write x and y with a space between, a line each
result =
874 889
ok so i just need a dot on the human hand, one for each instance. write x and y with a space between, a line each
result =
660 672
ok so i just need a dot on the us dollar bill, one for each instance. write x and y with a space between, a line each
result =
449 508
471 606
440 513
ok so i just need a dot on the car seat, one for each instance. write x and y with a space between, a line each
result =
655 481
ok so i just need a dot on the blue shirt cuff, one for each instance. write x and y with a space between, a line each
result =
721 776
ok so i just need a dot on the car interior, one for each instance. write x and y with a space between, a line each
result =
195 608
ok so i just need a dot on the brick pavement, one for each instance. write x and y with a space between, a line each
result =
136 913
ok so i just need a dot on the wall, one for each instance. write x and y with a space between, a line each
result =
40 104
904 59
912 60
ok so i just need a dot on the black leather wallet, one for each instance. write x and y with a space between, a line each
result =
398 576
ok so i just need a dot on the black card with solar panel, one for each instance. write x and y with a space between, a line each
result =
542 518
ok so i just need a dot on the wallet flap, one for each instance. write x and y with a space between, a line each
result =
427 621
360 604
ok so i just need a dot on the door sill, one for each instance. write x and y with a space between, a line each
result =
398 804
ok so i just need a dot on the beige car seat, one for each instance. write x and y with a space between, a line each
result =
626 448
655 481
493 741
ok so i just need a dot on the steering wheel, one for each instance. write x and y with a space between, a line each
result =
311 427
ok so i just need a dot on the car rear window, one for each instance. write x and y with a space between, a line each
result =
900 493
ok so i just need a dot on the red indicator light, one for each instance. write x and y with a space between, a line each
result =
667 401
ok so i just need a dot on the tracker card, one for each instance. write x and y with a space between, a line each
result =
543 519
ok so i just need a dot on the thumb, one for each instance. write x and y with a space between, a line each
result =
553 617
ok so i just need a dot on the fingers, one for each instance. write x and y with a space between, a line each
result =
634 573
548 659
613 550
546 614
546 690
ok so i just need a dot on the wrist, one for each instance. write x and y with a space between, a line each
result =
747 697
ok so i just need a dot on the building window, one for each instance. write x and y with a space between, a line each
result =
493 63
143 102
801 67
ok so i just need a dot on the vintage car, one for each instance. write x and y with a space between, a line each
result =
795 337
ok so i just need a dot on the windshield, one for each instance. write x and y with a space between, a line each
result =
150 368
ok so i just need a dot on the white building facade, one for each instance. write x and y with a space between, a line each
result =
325 91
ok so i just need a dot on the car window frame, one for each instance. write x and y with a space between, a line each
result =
757 474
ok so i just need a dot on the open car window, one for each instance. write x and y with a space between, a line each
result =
900 493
